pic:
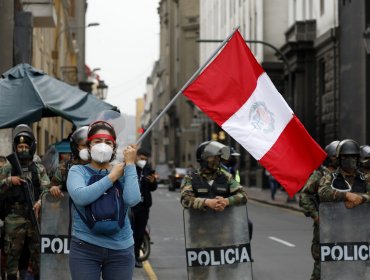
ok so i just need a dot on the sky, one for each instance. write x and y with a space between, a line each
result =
124 46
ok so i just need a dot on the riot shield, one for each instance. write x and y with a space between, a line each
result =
54 237
344 242
217 244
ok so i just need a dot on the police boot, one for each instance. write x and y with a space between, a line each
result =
11 277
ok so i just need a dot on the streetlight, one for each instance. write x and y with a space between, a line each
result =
102 89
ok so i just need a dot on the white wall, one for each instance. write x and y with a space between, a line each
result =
326 18
263 20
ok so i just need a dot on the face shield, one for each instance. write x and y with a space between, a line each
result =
215 148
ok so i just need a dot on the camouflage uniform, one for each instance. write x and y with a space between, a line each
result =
60 177
189 200
18 225
237 196
57 177
309 201
4 169
366 171
328 194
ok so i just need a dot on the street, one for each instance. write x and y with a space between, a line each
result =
280 243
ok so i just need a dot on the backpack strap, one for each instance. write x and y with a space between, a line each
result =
89 170
122 210
91 173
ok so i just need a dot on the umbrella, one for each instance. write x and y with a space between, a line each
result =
28 94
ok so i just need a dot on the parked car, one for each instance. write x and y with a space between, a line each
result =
162 172
176 177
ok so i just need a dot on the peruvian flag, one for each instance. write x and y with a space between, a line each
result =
236 93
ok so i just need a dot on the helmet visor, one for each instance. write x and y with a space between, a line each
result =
216 149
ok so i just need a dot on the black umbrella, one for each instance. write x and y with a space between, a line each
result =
28 94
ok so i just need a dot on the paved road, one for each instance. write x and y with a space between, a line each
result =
280 244
167 257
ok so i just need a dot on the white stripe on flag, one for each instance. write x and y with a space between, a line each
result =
260 121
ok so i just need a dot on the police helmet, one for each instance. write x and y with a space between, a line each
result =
365 151
348 147
331 148
23 134
211 148
80 134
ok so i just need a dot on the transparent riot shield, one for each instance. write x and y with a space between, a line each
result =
344 241
54 238
217 244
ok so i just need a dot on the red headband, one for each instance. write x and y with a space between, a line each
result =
105 136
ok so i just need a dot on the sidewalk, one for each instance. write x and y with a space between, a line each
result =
281 198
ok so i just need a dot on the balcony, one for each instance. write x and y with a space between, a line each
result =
43 12
301 31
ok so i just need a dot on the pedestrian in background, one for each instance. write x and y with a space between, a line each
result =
273 184
19 228
94 255
140 212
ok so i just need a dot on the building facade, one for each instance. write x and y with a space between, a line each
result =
315 52
49 35
174 139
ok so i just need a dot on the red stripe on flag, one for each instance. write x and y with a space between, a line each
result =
293 157
228 81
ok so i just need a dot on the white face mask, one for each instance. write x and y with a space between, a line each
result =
101 152
141 163
84 154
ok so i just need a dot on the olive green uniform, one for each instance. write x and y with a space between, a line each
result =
309 201
328 194
18 224
189 200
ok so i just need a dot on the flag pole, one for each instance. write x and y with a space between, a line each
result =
192 78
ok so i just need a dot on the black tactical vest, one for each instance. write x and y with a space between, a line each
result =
17 194
202 189
359 185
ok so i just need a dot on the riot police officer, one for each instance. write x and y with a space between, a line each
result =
309 201
18 225
80 155
209 187
365 160
347 183
206 190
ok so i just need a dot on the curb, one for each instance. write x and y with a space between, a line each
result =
287 206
